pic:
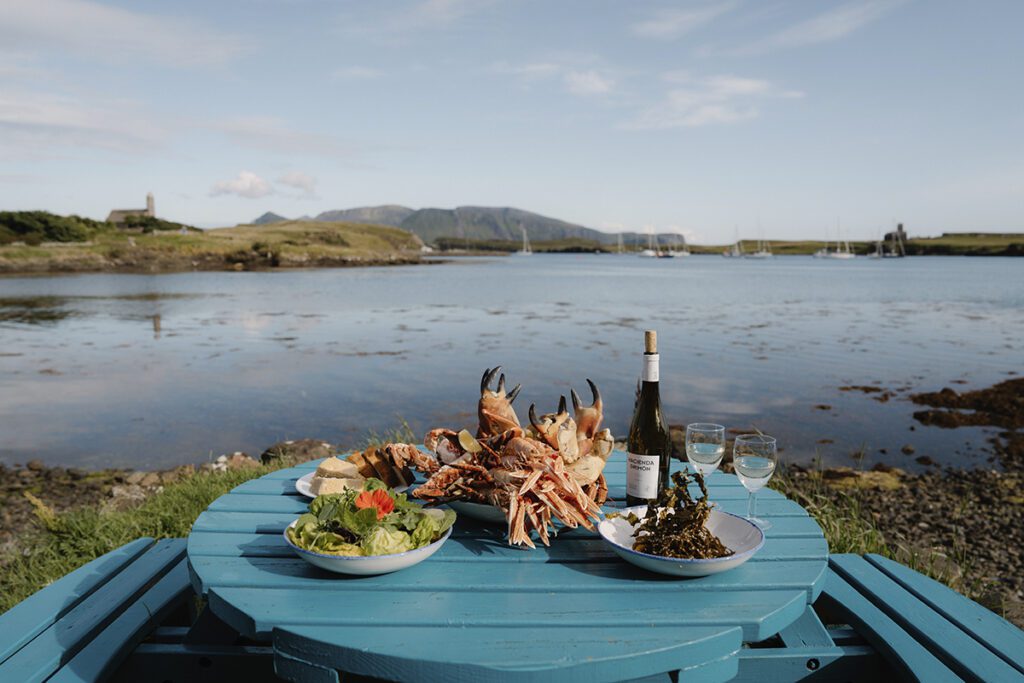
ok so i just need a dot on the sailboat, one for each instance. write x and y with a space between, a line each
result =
672 253
764 250
736 250
879 251
650 251
525 251
842 251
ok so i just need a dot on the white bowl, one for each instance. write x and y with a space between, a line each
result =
304 485
736 533
367 566
479 511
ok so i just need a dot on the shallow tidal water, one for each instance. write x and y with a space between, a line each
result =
152 371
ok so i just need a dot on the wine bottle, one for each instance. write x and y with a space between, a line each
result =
649 446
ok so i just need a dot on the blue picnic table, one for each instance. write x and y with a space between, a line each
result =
480 610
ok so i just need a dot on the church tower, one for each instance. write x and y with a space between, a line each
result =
150 205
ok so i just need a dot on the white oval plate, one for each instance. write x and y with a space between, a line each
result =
478 511
739 535
367 566
304 485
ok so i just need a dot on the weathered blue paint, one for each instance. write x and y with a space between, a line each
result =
40 611
911 659
98 659
479 610
957 649
995 633
99 614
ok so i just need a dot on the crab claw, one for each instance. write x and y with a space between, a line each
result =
561 406
485 381
512 394
533 419
495 407
588 418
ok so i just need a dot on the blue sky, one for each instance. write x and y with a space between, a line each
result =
700 117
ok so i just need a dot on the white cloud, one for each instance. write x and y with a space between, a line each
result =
829 26
247 184
528 71
832 25
300 181
443 12
111 33
272 134
718 99
588 83
36 124
396 22
357 73
671 23
574 71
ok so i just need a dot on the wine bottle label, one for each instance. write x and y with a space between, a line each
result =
650 367
642 475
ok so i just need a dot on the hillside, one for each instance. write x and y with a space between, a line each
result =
268 218
389 214
297 244
478 223
36 227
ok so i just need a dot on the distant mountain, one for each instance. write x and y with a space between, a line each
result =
389 214
475 222
269 217
493 223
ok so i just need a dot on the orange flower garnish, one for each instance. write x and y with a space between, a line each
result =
376 499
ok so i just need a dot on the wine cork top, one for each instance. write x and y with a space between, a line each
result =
650 341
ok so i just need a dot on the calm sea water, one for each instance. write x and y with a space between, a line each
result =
155 371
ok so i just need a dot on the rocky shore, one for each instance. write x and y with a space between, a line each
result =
63 488
967 526
143 261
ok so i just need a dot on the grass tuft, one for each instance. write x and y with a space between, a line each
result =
61 542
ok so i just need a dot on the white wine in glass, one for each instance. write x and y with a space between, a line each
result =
705 446
754 457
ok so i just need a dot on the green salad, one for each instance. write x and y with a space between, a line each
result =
373 521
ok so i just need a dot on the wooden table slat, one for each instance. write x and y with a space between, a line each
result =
578 610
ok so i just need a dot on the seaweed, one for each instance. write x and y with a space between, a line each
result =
674 524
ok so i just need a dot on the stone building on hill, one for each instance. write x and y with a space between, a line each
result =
118 216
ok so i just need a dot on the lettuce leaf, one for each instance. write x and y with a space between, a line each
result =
432 524
385 541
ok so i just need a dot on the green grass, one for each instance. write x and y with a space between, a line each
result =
291 243
58 543
61 542
848 528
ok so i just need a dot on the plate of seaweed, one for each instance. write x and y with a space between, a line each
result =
679 536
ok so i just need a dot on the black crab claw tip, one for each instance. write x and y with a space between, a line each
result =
595 392
561 405
501 383
515 392
533 418
485 381
576 402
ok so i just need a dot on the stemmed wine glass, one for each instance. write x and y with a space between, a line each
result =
754 457
705 446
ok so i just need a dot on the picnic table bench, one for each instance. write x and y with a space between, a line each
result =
479 610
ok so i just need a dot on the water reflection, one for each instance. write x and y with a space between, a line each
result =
160 370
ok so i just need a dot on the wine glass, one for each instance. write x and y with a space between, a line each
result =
754 457
705 446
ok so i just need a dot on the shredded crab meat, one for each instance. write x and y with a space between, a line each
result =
546 473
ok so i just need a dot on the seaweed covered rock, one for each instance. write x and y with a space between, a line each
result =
293 452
